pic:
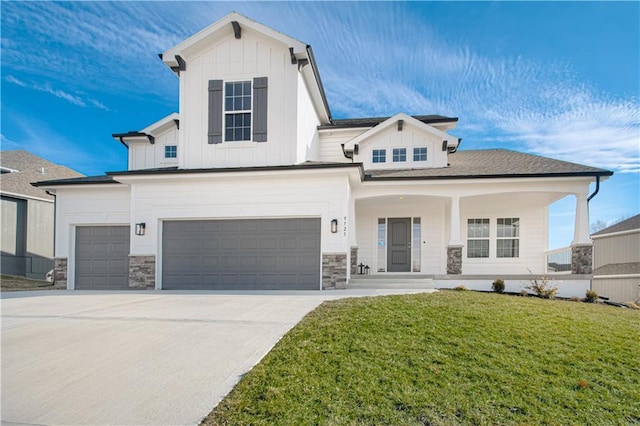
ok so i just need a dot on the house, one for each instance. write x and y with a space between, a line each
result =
27 213
254 185
616 261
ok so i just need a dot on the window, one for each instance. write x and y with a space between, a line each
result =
382 245
379 155
399 155
420 153
415 244
477 238
170 151
237 107
508 237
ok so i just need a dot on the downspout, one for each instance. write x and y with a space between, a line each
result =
596 190
346 153
55 207
123 142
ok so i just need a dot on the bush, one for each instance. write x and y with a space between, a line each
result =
591 296
460 288
543 288
498 286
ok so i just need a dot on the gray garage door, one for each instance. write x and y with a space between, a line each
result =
102 257
250 254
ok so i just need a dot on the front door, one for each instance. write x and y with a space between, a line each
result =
399 246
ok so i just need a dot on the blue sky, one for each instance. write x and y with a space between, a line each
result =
548 78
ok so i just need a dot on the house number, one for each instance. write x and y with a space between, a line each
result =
344 221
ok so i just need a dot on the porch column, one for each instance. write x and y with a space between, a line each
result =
581 246
454 249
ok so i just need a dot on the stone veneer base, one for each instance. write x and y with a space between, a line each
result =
582 259
454 259
354 261
142 272
334 271
60 272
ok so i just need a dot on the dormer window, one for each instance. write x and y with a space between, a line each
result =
170 151
399 155
237 107
379 155
420 153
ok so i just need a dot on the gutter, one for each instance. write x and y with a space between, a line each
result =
596 190
312 61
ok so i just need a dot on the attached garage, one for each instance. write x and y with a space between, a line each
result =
102 258
243 254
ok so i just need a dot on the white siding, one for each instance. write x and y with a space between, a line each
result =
307 125
618 289
410 137
329 142
230 59
144 155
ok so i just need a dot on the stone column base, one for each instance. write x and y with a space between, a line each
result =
334 271
582 259
142 272
354 261
454 260
60 272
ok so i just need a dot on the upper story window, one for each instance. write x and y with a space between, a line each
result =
170 151
420 153
399 155
379 155
508 237
237 107
478 238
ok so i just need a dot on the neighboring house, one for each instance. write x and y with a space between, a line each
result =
616 260
254 185
27 213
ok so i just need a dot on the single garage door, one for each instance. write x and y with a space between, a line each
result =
102 258
245 254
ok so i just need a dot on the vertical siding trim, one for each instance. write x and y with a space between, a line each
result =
260 109
215 112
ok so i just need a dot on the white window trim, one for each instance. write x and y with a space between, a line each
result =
493 238
405 154
165 152
509 238
413 147
225 112
385 155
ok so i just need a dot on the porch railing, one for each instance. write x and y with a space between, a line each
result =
559 261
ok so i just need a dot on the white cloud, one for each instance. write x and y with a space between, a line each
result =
47 88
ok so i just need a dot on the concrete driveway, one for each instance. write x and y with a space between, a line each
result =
152 358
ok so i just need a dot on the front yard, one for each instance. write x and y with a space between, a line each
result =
450 358
16 283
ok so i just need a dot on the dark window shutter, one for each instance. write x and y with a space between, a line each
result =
260 109
215 111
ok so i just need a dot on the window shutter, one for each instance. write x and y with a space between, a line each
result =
260 109
215 111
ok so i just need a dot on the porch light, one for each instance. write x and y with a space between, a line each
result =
140 228
334 226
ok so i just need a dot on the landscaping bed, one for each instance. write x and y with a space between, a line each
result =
449 358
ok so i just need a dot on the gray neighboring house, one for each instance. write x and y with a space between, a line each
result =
616 261
27 213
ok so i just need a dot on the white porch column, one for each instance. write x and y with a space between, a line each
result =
454 239
581 229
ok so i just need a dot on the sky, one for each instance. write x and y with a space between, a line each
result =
558 79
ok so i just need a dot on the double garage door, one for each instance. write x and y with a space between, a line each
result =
246 254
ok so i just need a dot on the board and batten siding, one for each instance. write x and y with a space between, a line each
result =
624 248
618 289
253 55
144 155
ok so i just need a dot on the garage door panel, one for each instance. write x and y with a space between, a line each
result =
102 258
242 254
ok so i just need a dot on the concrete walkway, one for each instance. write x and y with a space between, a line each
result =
134 358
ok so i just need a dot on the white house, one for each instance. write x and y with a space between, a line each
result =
253 185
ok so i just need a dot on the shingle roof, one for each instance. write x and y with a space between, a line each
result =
625 225
373 121
85 180
618 269
30 168
492 163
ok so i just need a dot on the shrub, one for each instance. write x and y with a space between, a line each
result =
524 293
460 288
575 299
498 286
591 296
543 288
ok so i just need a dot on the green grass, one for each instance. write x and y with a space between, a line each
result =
16 283
450 358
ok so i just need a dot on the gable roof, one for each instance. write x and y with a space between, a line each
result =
409 120
626 225
492 163
617 269
29 168
301 53
348 123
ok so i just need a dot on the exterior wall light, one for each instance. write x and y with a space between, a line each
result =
140 228
334 226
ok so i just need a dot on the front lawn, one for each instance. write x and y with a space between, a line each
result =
16 283
450 358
